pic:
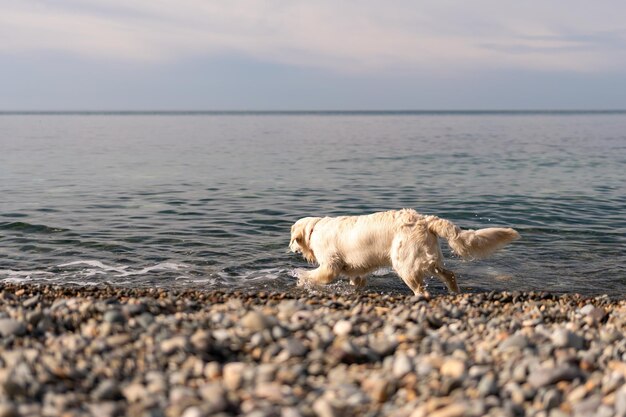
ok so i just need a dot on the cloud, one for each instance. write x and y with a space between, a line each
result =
368 36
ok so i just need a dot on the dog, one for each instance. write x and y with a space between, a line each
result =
403 239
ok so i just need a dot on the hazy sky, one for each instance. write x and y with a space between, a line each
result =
316 54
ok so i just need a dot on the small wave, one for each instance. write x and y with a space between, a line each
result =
16 277
95 264
12 273
165 266
30 228
254 275
122 271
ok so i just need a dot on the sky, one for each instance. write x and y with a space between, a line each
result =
312 55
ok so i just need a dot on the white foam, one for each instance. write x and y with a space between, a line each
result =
95 264
164 266
12 273
255 274
123 270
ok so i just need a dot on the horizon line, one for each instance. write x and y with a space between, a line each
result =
312 112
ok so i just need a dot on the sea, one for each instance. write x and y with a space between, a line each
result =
205 200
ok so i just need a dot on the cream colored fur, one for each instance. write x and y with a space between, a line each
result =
403 239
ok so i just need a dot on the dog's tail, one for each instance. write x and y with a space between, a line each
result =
471 244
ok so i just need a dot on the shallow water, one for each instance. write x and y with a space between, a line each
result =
207 200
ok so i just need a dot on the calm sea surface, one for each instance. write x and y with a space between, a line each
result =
207 200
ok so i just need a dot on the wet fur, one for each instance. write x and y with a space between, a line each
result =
403 239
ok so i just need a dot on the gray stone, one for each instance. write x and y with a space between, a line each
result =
605 411
565 338
105 409
233 375
620 402
21 382
169 346
201 340
134 392
214 397
323 408
182 395
383 346
30 302
145 320
401 365
588 406
134 309
8 409
256 321
290 412
452 367
551 398
546 376
588 308
516 341
107 390
487 385
295 348
194 411
11 327
342 328
114 316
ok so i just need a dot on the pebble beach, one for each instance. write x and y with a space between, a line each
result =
108 351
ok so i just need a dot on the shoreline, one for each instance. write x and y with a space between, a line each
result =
108 351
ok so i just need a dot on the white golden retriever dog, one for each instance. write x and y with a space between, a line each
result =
403 239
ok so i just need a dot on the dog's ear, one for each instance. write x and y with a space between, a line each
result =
297 232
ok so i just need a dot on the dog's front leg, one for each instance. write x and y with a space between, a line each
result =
321 275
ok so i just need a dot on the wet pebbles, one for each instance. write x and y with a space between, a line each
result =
67 351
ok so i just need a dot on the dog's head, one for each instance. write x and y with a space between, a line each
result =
301 235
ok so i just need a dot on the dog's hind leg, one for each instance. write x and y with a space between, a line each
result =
415 283
412 276
448 278
405 261
321 275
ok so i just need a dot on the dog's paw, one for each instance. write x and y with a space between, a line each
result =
423 294
301 276
358 282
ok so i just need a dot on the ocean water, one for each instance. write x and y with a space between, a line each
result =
206 200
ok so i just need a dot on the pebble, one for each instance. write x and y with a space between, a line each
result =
452 410
565 338
114 316
169 346
620 401
255 321
324 409
377 388
8 409
542 377
108 351
487 385
453 368
134 392
107 390
10 327
342 328
401 366
515 342
233 375
295 348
